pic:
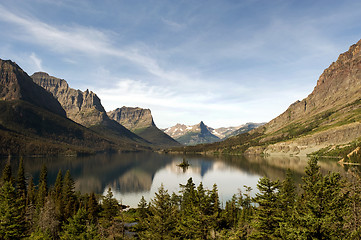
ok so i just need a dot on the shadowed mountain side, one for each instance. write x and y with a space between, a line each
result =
15 84
27 129
156 136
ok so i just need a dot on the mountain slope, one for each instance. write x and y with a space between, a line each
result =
86 109
140 121
33 122
330 115
15 84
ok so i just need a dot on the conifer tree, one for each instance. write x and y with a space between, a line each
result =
31 193
6 174
92 208
20 180
161 222
287 197
267 215
142 207
68 196
323 204
110 206
78 228
42 189
12 220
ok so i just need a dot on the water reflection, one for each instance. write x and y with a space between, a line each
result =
133 175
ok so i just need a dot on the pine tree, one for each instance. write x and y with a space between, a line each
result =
142 208
287 196
20 180
110 206
12 221
92 208
267 216
6 174
42 189
68 196
160 224
78 228
323 204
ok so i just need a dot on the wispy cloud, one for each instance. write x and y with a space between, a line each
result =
37 62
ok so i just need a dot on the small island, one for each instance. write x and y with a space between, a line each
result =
183 164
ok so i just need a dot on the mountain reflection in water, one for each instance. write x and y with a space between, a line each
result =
133 175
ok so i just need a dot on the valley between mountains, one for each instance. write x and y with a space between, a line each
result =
42 114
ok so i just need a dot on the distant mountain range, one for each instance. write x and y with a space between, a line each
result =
43 115
328 120
201 133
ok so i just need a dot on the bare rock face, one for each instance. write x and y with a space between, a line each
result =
140 121
15 84
132 118
339 85
81 107
328 116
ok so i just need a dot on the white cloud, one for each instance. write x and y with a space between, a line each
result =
37 62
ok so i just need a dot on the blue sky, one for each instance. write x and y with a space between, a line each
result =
225 62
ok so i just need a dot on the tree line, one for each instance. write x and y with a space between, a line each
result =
324 206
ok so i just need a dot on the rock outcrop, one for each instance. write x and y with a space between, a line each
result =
140 121
81 107
132 118
86 109
15 84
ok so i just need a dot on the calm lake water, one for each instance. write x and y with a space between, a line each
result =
133 175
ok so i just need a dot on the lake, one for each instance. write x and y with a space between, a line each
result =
133 175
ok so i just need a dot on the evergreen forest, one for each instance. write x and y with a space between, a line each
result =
324 206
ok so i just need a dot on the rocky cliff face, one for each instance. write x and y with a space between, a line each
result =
15 84
140 121
86 109
81 107
132 118
339 85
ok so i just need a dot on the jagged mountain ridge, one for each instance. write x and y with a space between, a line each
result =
85 108
140 121
192 135
329 116
32 121
201 133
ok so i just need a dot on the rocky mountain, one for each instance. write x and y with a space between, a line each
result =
15 85
226 132
192 135
200 133
85 108
328 118
32 121
140 121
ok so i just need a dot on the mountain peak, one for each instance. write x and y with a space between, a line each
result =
15 84
132 117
